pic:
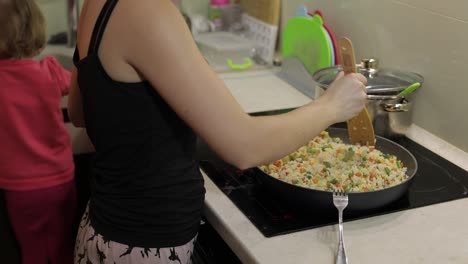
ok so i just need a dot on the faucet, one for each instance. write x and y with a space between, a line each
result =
73 13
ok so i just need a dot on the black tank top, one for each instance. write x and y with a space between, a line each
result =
147 189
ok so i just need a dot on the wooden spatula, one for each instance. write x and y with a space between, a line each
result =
360 129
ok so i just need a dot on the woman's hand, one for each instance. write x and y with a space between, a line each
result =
346 96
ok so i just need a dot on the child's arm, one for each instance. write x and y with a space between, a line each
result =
61 76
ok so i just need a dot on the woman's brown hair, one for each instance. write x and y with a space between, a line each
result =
22 29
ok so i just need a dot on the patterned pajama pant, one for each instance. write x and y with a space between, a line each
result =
92 248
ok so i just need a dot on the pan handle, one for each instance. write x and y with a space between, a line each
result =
396 107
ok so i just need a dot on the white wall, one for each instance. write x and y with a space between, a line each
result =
55 14
425 36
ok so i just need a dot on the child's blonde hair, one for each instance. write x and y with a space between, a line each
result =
22 29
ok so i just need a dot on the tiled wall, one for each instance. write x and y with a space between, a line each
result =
425 36
55 14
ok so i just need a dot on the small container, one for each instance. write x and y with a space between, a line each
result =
391 114
231 16
220 2
215 12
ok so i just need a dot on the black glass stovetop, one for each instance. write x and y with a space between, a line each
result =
437 180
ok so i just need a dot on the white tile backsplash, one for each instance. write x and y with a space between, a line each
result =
455 9
55 14
424 36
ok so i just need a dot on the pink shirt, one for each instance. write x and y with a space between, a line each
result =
35 147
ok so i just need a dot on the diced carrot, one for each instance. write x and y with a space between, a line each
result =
299 165
303 170
371 148
315 180
372 174
359 174
277 163
371 159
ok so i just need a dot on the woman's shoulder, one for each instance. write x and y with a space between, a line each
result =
146 12
158 26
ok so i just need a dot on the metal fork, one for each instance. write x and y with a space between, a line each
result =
340 200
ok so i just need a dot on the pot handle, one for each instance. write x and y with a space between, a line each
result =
403 106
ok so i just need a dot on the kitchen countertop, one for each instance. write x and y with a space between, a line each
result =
432 234
263 90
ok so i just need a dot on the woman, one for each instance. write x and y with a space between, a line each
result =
142 90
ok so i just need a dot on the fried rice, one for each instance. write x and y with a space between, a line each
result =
327 163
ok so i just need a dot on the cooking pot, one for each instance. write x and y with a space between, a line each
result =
391 114
307 198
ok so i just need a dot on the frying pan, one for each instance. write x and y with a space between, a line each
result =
358 201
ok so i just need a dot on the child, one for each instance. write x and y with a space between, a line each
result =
36 161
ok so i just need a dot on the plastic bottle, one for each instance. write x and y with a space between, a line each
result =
215 13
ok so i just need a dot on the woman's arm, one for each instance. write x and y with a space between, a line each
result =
160 46
75 107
